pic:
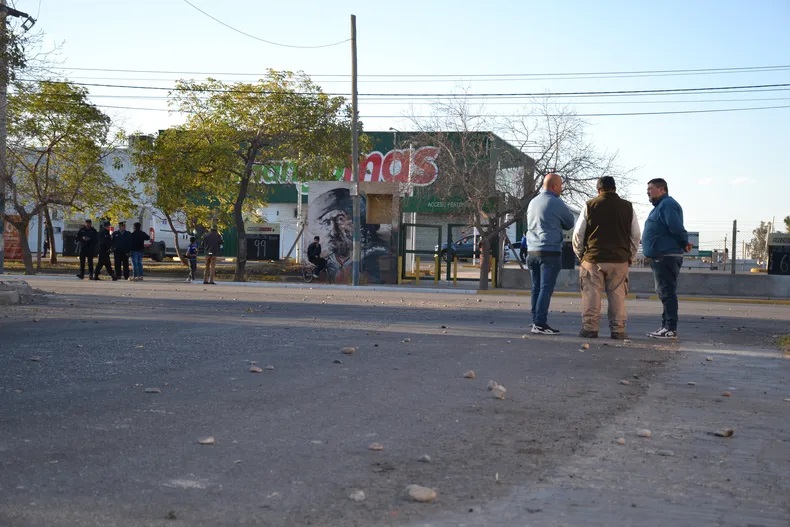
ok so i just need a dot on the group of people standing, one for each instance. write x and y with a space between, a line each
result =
606 236
122 244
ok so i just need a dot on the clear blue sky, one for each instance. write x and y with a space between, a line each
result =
720 166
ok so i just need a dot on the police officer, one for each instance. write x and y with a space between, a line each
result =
122 244
105 247
87 237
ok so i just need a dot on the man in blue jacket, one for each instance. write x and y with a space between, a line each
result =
547 217
664 240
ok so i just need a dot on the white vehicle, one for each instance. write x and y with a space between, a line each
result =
162 243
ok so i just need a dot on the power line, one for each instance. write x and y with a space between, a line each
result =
721 89
261 39
657 73
613 114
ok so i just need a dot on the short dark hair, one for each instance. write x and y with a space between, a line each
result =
191 239
606 183
660 183
316 238
136 226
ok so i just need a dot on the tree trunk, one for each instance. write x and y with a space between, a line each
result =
53 253
24 241
175 234
485 258
241 251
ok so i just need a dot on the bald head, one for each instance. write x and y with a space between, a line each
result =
553 183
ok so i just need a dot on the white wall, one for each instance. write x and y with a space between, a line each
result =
284 214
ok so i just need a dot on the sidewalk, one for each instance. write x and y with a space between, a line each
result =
683 474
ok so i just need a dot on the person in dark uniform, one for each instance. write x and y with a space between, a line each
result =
105 248
122 245
87 237
46 237
314 256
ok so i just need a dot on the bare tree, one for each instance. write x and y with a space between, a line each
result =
496 177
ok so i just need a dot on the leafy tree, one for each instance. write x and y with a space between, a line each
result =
496 178
787 223
176 173
282 117
758 244
57 144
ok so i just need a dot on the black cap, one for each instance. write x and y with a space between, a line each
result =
106 223
122 223
87 220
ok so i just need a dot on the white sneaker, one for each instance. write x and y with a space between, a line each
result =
545 329
189 280
664 334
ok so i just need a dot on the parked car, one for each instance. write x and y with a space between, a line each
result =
463 248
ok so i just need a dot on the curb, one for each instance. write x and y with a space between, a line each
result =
645 296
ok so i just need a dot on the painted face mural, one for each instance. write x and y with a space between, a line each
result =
330 216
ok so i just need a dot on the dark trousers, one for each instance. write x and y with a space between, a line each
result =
122 260
104 261
83 258
320 264
544 270
665 274
522 254
192 268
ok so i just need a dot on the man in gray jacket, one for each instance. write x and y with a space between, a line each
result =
547 217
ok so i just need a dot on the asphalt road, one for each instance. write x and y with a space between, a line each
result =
83 443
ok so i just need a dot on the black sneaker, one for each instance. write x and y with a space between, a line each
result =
619 335
544 329
80 276
588 334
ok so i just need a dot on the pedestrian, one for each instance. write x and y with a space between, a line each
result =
87 237
191 255
605 239
522 251
47 234
547 217
122 245
105 248
212 243
314 256
137 246
664 241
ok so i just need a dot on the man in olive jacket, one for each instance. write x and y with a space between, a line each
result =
212 242
605 239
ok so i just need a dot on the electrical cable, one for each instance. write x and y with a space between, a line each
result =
261 39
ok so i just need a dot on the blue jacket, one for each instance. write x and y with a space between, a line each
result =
664 233
547 217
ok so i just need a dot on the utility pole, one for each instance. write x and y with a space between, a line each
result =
3 124
5 11
357 250
734 244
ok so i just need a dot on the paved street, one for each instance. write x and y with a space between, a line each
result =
84 443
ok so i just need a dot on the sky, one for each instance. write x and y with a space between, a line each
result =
720 166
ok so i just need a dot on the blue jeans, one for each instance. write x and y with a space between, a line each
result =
137 263
544 271
665 274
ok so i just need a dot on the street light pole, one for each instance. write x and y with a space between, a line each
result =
357 250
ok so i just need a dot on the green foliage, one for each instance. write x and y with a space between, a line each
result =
57 143
232 127
787 223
